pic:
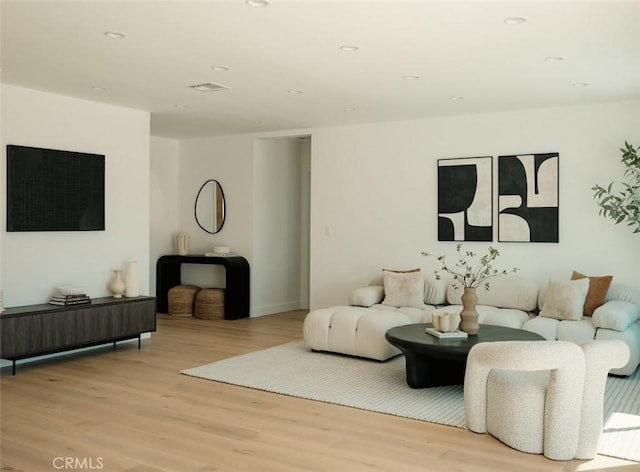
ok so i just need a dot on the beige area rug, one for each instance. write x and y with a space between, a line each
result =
292 369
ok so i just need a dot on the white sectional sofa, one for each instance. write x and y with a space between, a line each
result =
513 301
359 329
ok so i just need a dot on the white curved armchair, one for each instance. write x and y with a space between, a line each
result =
541 396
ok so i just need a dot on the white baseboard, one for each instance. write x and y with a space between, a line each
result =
276 308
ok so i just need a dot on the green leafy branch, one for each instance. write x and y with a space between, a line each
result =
469 270
625 204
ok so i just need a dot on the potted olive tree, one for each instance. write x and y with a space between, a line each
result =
623 205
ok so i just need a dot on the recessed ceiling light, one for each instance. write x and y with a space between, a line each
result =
115 34
580 84
411 77
456 98
220 68
98 89
180 105
294 91
263 123
554 59
348 48
515 20
257 3
349 108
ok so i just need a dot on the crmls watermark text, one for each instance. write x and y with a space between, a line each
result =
78 463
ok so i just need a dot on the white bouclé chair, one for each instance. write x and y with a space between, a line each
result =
543 397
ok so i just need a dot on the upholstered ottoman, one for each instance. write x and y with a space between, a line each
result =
351 330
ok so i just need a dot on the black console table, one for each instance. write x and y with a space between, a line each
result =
237 293
34 330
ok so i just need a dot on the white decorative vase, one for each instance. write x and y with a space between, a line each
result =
117 285
182 241
131 284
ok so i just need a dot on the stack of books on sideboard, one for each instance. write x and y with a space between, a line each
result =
71 299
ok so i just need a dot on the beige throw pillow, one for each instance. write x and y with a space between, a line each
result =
564 299
403 288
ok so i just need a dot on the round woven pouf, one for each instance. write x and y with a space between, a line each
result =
209 304
181 300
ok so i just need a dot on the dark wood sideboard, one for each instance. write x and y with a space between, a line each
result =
237 293
28 331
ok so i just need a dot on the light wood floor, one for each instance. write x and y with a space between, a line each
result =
131 410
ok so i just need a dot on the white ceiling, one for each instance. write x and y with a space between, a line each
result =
459 49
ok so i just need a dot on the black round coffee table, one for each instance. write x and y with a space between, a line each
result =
433 361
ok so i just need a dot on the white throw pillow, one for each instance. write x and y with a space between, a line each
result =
403 289
564 299
616 315
366 296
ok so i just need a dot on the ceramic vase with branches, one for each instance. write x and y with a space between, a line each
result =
470 271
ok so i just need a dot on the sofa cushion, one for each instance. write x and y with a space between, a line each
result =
512 291
416 315
545 327
366 296
616 315
403 288
564 299
576 331
624 293
598 288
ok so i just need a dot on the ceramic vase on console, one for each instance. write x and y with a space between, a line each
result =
131 284
182 243
469 314
117 285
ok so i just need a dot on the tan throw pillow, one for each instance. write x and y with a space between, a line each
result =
564 299
598 288
403 288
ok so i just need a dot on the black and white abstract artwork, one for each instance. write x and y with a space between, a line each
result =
528 198
465 210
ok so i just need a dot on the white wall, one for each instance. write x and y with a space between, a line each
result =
374 193
277 204
164 202
229 160
34 264
374 190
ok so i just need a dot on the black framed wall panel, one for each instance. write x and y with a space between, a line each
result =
465 204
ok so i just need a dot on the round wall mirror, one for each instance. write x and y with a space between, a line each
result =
210 207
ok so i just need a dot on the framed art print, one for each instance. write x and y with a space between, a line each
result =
528 198
465 199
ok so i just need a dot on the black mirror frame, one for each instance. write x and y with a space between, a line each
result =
224 206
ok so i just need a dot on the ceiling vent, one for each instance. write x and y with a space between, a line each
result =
208 87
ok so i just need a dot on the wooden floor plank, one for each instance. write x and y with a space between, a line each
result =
134 411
